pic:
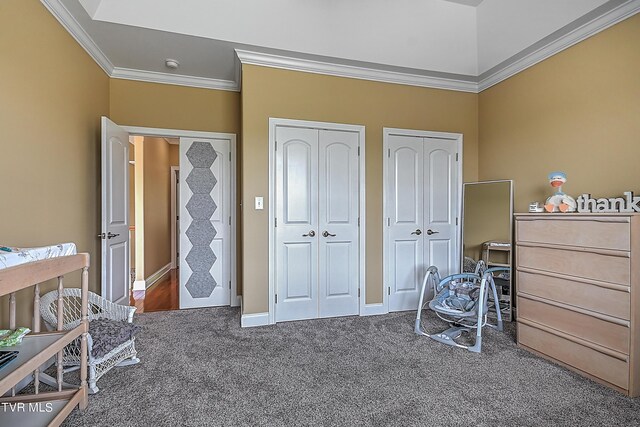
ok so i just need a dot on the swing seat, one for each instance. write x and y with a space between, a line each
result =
462 301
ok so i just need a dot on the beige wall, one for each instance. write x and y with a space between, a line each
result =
268 92
157 213
578 112
174 107
52 95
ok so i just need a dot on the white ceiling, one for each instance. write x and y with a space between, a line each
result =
412 41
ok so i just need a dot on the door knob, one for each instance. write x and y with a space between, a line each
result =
325 233
310 234
430 232
417 232
109 235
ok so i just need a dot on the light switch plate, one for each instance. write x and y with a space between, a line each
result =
259 203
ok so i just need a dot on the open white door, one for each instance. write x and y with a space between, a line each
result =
115 213
205 222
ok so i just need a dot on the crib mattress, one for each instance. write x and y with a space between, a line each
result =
10 256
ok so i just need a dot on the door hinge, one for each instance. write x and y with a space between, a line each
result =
229 284
388 222
177 217
358 221
358 292
358 150
456 157
229 155
229 220
389 290
276 298
389 153
276 223
456 221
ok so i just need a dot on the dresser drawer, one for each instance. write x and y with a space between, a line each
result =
579 294
598 331
586 359
603 232
606 268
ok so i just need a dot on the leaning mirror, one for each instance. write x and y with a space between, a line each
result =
486 232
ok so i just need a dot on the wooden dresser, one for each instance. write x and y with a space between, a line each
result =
578 293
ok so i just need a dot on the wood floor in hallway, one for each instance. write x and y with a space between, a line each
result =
162 296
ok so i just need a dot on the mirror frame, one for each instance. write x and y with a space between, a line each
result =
511 233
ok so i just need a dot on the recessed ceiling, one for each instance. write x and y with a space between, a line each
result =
415 42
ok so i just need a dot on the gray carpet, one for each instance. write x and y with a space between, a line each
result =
199 368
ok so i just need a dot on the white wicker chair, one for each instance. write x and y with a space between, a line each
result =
99 308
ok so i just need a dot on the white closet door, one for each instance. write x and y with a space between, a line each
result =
338 223
297 223
441 199
205 191
405 207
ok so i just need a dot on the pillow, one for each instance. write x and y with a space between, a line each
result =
108 334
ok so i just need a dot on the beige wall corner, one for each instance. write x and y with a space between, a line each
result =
53 95
268 92
576 112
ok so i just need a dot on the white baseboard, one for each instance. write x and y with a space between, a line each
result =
149 281
373 310
139 285
255 319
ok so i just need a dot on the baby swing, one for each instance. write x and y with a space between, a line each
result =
462 301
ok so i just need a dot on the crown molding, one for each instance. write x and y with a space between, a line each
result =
565 38
66 19
174 79
332 69
517 64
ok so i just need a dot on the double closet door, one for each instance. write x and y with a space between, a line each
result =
317 223
422 209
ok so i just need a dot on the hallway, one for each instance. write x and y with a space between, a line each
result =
162 296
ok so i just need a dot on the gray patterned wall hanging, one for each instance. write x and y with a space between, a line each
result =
201 231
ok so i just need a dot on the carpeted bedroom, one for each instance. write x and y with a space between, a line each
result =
199 368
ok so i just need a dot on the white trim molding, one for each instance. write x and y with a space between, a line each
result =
139 285
520 62
582 28
175 173
355 72
173 79
66 19
374 309
73 27
254 319
151 280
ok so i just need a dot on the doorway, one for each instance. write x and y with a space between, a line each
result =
422 198
115 191
152 221
317 237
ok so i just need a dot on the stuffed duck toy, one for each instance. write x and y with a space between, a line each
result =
559 202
